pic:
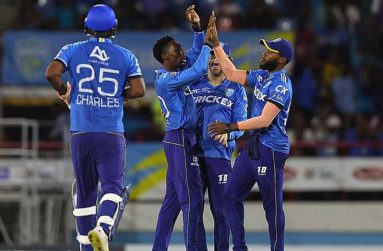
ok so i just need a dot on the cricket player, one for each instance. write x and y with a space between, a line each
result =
183 182
263 160
101 73
217 99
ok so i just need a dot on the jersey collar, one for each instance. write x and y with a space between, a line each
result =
100 40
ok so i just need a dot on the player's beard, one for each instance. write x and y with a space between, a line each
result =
269 65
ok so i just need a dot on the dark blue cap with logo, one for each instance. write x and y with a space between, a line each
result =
281 46
226 49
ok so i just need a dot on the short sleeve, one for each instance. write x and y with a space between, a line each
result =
133 66
279 94
64 54
254 77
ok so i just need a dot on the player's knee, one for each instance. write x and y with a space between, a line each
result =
112 188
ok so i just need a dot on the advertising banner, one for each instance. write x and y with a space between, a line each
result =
26 54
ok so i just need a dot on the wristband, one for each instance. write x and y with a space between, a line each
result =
228 128
197 27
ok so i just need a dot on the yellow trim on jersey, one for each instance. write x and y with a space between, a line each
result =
267 46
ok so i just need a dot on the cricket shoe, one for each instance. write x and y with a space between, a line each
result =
98 239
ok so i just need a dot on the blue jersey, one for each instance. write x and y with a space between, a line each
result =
227 103
173 90
99 71
275 88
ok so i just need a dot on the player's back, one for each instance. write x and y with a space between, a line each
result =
99 71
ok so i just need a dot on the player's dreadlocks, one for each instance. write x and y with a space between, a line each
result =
161 46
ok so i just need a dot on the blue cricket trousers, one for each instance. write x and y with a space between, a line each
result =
267 172
183 190
214 177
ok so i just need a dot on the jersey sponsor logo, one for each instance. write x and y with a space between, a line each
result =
229 92
187 91
195 161
198 90
99 54
222 178
281 89
262 170
277 98
259 95
214 99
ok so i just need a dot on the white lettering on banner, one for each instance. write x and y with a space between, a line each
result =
329 174
259 95
89 100
214 99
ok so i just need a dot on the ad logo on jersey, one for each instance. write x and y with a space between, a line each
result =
187 91
99 54
281 89
229 92
259 95
214 99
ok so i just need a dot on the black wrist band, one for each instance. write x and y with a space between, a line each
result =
228 129
196 27
209 44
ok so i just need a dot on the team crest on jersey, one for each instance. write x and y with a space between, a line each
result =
229 92
99 54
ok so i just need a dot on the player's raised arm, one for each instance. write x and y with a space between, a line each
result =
193 18
228 68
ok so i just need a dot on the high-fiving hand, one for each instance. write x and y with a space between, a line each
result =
192 16
208 31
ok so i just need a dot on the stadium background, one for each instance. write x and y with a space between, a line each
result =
334 177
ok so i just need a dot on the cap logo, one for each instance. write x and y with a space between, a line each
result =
276 40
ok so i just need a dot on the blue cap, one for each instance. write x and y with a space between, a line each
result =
226 49
101 17
281 46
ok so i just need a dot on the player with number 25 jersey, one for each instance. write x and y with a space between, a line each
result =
102 75
99 70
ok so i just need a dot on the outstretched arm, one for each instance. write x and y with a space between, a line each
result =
228 68
199 36
269 112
